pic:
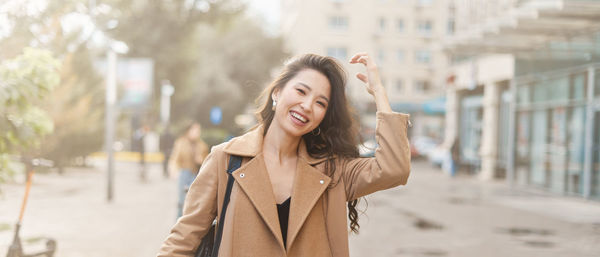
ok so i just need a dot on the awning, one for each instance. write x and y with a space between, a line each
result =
435 106
534 25
406 107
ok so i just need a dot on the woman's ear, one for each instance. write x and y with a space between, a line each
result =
275 94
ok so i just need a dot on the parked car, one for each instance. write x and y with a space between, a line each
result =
422 145
438 156
367 149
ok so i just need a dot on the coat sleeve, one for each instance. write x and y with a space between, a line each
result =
174 159
199 211
391 165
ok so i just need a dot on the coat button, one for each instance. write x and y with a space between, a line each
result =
242 175
321 181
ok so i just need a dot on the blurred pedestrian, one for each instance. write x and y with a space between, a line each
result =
454 156
167 139
140 138
188 154
300 170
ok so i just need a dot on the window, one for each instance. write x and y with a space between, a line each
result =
338 23
400 55
399 86
400 25
381 24
450 27
380 56
422 86
424 2
423 56
425 27
339 53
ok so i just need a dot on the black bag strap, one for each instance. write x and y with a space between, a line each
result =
234 163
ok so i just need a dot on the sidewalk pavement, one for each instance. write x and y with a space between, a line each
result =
73 209
433 215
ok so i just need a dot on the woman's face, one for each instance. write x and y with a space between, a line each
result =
194 132
302 102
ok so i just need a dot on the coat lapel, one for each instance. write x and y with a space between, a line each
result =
309 185
254 180
257 186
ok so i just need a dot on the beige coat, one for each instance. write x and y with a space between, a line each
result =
187 156
318 223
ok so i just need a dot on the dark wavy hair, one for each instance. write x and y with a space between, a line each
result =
339 132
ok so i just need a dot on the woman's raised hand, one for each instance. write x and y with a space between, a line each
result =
372 81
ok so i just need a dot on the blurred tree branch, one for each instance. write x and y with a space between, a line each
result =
208 49
24 80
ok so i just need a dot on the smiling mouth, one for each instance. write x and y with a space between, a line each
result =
298 117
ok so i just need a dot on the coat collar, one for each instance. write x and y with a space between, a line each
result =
250 145
309 183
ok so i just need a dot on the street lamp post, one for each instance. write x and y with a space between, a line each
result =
111 98
166 91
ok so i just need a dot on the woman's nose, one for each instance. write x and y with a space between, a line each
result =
306 106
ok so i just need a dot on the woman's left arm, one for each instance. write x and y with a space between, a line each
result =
391 165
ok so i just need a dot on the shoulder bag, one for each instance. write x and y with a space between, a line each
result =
209 247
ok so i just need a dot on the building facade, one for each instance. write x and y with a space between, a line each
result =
524 101
402 35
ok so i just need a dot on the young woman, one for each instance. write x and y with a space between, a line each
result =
301 174
188 154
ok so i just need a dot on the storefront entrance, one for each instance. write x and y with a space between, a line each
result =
550 133
595 176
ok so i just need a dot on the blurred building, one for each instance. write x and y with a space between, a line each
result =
403 36
524 92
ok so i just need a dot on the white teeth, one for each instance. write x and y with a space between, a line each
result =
298 116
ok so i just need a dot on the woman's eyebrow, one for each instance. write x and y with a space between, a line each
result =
310 89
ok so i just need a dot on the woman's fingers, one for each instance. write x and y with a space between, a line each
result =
364 59
356 56
362 77
371 77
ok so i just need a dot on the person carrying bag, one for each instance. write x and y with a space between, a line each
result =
209 247
301 175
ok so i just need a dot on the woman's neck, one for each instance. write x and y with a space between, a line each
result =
280 145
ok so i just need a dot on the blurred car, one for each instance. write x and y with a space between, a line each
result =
421 146
438 155
367 149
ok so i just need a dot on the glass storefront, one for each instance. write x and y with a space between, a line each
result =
523 147
595 190
550 133
597 83
470 129
503 128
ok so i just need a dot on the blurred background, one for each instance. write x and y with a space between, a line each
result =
504 97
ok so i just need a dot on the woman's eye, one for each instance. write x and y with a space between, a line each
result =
322 104
300 91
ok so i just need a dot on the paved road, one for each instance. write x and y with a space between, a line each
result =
433 216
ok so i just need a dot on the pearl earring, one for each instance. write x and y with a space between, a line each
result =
274 104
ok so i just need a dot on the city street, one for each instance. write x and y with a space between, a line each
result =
434 215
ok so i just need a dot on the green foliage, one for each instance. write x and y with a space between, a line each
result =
76 105
213 56
77 109
211 53
234 63
24 81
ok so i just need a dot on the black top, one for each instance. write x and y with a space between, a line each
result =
283 210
